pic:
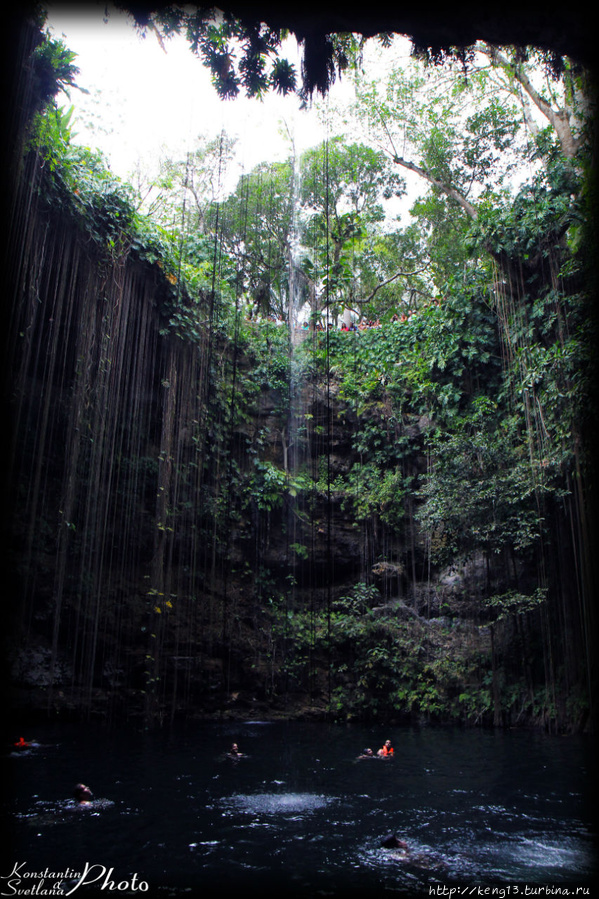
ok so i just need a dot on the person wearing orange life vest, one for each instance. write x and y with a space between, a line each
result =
386 750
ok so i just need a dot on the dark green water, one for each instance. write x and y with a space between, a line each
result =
298 814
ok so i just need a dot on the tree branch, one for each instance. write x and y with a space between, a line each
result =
394 277
557 118
446 188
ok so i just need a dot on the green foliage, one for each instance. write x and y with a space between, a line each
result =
53 71
532 224
256 222
480 494
79 182
52 134
382 664
358 601
343 186
270 366
430 122
269 487
298 230
514 603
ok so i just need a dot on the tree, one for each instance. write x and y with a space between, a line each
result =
464 131
562 103
298 230
464 135
343 187
183 195
391 274
256 222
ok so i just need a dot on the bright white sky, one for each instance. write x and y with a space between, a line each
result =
144 101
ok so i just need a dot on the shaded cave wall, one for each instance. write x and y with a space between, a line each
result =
140 583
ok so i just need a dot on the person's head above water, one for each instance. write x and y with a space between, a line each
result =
234 752
393 842
82 793
367 754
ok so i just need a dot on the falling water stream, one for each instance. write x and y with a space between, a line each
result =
299 813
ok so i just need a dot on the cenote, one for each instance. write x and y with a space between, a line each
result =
298 813
301 458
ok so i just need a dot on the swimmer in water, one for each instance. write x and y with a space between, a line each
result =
393 842
83 795
22 744
386 751
367 754
234 752
400 850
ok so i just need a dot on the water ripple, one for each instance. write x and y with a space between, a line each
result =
277 803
